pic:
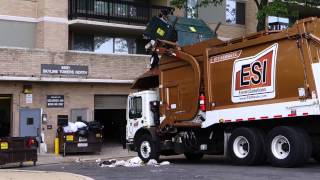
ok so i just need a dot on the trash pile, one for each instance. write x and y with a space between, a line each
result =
82 127
73 127
133 162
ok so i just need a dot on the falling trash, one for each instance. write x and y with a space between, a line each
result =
152 162
133 162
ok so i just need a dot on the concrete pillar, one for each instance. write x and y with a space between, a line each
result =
52 28
251 17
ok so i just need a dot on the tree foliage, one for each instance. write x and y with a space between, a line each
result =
282 8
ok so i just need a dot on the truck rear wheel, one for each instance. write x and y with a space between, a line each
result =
288 146
316 157
246 146
193 156
147 148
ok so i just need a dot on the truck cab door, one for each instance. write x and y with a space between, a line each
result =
135 115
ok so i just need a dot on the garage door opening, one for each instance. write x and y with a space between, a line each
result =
114 122
5 115
110 111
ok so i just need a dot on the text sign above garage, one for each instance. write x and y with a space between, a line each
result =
54 69
55 101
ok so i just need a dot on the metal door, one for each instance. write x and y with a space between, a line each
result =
110 101
30 122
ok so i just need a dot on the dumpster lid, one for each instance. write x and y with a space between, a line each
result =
191 31
190 25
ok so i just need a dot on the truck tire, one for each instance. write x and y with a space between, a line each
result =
147 148
287 146
316 149
316 157
246 146
193 156
307 143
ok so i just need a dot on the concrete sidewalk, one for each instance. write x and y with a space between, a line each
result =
108 152
39 175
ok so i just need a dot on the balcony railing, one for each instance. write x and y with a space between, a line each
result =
278 26
114 11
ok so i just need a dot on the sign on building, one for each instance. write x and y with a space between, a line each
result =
54 69
28 98
55 101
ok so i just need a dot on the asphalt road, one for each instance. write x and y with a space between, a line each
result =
211 168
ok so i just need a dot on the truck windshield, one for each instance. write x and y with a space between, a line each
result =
135 109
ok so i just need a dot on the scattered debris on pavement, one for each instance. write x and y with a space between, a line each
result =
133 162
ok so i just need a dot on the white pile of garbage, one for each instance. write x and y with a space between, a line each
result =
133 162
73 127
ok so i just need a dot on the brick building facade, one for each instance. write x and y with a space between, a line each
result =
34 33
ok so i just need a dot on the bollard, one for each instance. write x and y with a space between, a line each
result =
56 146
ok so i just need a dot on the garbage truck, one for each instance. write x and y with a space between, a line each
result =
253 99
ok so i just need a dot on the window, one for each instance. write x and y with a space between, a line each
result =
135 108
235 12
124 46
83 43
104 44
29 121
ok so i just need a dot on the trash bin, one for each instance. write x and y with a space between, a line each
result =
18 149
87 139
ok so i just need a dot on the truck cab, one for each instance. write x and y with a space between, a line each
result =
139 114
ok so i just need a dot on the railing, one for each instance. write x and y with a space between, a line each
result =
278 26
114 11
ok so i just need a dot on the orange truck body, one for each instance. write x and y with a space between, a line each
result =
259 69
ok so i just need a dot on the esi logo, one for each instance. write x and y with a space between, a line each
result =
253 78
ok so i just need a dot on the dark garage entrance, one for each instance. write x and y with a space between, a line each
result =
5 115
110 111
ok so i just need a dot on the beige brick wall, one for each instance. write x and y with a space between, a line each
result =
52 36
53 8
49 35
34 8
26 62
76 96
26 8
229 30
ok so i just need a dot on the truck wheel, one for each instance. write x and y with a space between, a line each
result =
246 146
316 157
147 148
287 146
307 143
193 156
316 150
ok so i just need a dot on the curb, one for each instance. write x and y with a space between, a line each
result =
32 171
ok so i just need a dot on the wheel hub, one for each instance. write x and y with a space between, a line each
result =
280 147
145 149
241 147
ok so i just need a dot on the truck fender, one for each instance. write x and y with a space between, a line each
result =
151 131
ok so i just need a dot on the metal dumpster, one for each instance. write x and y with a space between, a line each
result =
78 143
18 149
